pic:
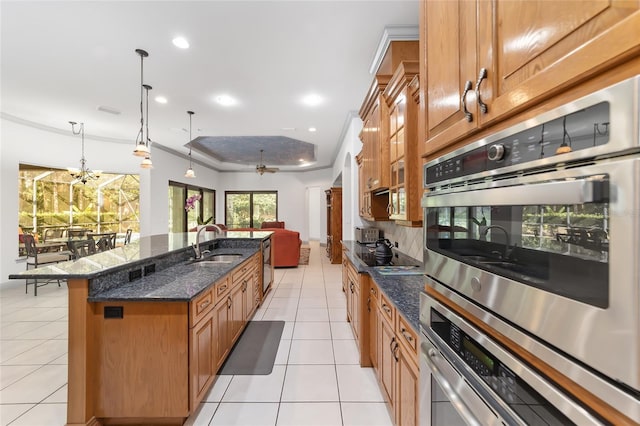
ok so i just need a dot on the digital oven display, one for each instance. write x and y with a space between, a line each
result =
478 360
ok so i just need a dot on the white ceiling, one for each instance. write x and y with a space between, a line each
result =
60 60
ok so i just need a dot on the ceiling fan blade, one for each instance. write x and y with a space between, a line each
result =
271 169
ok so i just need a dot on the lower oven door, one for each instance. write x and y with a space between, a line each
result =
467 378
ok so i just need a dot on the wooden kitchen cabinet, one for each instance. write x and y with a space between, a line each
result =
373 320
334 224
372 207
407 390
223 330
405 188
529 51
387 363
356 287
375 136
202 358
353 301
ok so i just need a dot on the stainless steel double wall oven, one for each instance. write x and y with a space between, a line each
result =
536 230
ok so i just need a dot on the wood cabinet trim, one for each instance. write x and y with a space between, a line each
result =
401 78
376 88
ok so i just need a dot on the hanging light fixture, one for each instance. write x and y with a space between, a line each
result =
142 148
83 174
190 173
146 163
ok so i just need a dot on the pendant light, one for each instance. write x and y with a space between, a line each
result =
141 148
190 173
83 174
146 163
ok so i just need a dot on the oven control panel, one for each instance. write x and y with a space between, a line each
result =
578 131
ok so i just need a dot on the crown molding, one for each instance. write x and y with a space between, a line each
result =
392 33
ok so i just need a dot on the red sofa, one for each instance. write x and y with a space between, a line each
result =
285 246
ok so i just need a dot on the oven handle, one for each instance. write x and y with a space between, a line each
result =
458 402
579 191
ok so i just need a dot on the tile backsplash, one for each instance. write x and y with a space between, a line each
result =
409 239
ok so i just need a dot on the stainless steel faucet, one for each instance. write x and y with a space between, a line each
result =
196 245
507 247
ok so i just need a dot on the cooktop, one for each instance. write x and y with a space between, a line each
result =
367 254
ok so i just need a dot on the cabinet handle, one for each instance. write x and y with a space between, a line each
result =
463 101
373 291
368 304
229 302
406 335
244 286
395 352
393 340
351 286
205 304
222 288
481 76
386 308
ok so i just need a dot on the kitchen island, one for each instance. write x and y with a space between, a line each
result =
149 327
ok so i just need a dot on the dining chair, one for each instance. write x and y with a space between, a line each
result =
77 233
82 248
35 258
103 243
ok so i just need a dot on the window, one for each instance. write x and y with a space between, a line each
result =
248 209
51 198
182 220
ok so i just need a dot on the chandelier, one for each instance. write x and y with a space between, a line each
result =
190 173
83 174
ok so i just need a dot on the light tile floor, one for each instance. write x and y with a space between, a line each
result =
316 379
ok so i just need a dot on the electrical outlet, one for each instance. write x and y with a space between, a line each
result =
395 243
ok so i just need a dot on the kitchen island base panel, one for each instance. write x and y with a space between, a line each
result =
150 383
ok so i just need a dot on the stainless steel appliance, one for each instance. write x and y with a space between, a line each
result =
468 379
267 265
540 225
367 235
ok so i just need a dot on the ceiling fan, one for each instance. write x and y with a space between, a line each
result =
261 168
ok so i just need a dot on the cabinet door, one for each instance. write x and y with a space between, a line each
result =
202 358
372 303
387 360
222 314
533 49
451 68
407 390
237 315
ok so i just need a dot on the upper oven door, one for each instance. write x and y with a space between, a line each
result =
555 253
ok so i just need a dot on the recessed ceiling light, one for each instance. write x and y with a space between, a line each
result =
181 42
225 100
312 129
301 159
161 99
312 99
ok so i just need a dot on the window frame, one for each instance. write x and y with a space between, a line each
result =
250 193
201 190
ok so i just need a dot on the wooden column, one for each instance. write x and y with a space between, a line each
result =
80 389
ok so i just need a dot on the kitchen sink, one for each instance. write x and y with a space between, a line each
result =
217 259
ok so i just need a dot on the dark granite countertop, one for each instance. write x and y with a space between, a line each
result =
178 283
155 268
402 290
138 253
